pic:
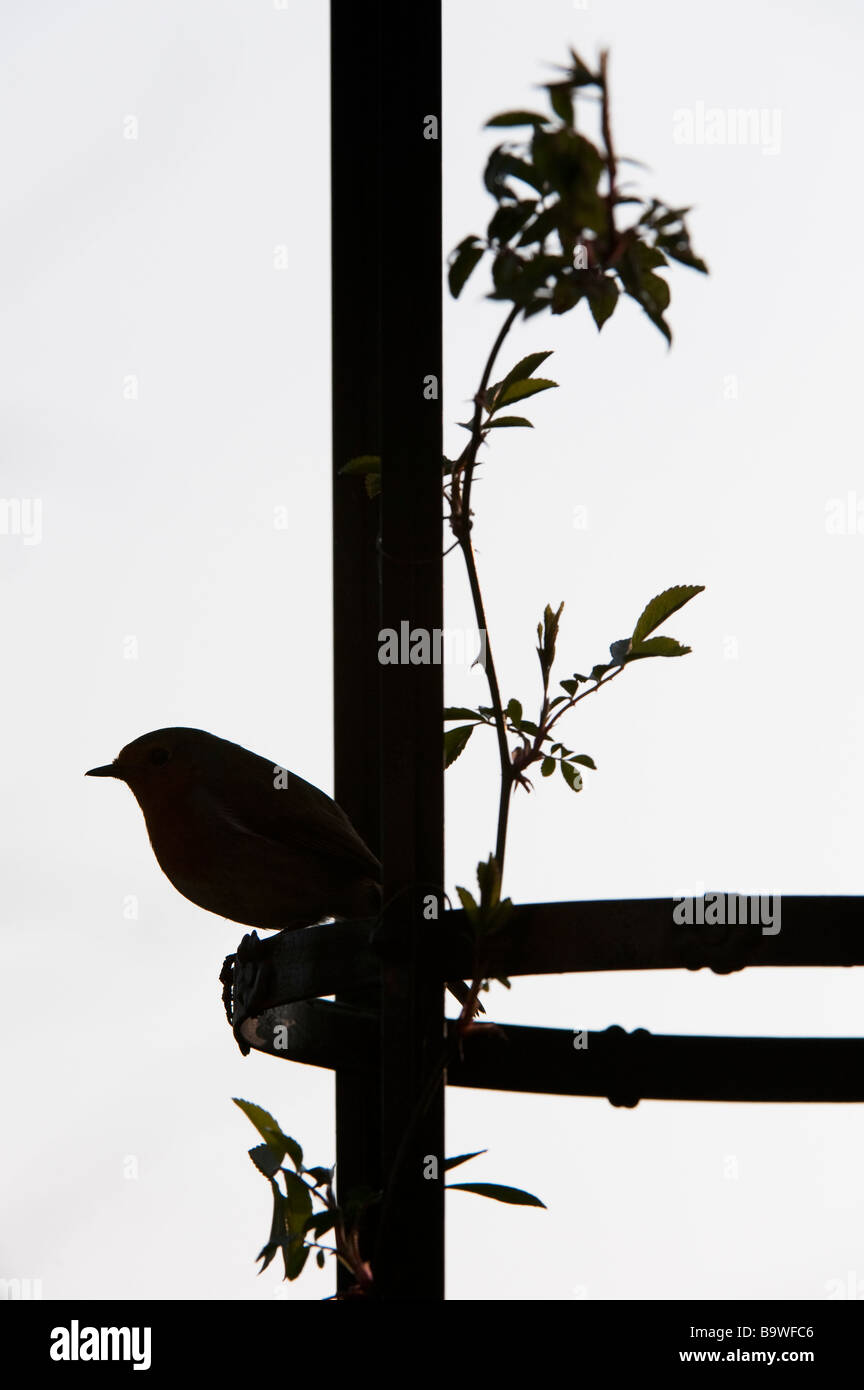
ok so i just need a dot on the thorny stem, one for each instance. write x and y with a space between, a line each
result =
611 166
460 522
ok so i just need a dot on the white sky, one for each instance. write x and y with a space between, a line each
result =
153 258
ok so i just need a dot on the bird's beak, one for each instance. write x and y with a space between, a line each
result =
112 770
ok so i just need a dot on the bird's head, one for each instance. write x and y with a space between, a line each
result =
162 763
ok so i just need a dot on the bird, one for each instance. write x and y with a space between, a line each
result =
245 838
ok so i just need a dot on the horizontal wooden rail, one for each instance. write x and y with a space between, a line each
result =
622 1067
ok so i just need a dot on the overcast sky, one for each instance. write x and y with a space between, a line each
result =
165 394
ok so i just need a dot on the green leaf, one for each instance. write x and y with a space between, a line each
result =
547 636
503 164
364 463
519 390
455 741
516 118
570 686
657 646
584 760
320 1223
619 651
266 1160
514 711
320 1175
460 712
602 300
524 368
294 1257
662 607
547 767
510 218
679 248
657 290
543 224
561 101
271 1133
463 260
469 906
369 467
509 421
513 1196
598 672
298 1202
571 776
461 1158
648 257
286 1228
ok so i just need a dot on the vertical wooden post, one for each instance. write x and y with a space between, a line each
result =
356 252
387 362
410 1256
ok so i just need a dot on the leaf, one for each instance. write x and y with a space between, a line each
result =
662 607
649 257
298 1202
519 390
285 1233
657 646
455 741
513 1196
514 712
364 463
516 118
469 906
459 712
619 651
271 1133
571 776
320 1223
547 767
508 421
461 1158
266 1160
584 760
547 636
503 164
369 466
321 1175
294 1257
598 672
602 300
570 686
524 368
561 101
510 218
464 259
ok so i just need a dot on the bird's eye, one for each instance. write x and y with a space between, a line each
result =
158 756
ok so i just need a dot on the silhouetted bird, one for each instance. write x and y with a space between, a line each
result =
243 837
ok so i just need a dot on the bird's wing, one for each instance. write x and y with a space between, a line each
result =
298 816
